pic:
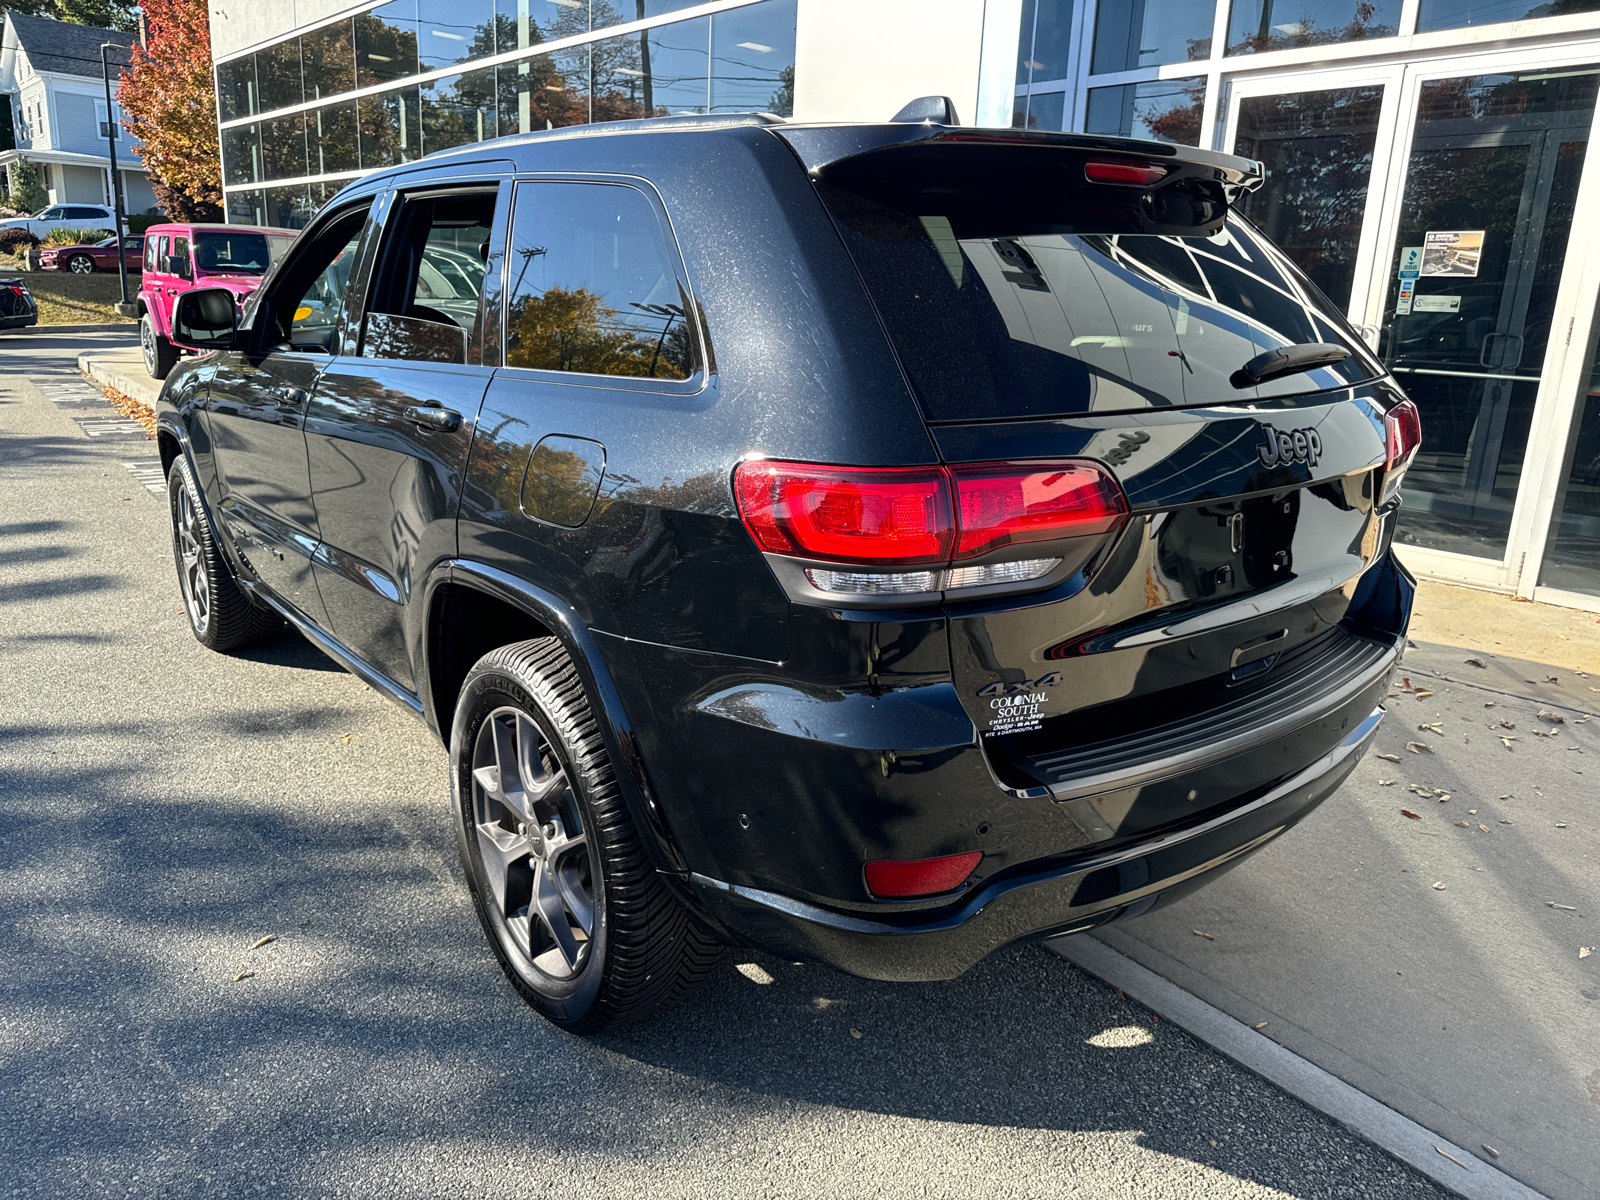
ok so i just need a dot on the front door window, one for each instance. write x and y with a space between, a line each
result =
1490 187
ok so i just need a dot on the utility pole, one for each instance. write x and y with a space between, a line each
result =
126 308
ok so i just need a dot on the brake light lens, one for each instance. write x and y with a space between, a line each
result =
901 880
910 516
1000 507
1140 174
847 514
1402 427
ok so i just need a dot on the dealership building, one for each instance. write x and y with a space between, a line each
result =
1426 164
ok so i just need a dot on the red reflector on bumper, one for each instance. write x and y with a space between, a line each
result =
921 876
1121 171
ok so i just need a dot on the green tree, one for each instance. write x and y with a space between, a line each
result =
25 191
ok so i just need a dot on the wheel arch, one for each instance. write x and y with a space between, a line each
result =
467 605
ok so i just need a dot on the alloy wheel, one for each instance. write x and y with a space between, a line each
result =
542 886
147 346
81 264
191 564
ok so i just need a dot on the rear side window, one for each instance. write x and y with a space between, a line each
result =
1007 299
595 285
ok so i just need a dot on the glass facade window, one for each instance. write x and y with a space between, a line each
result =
1455 14
328 60
1147 33
1256 26
1164 110
1572 553
386 43
1317 149
752 59
740 59
1040 110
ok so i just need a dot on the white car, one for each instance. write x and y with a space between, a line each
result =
66 216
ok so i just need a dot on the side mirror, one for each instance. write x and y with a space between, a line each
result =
205 319
180 266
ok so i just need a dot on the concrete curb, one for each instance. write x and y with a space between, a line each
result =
97 327
141 390
1461 1172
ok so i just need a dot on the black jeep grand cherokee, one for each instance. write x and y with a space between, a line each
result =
876 543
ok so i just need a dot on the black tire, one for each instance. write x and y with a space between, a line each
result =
641 950
220 614
80 264
160 355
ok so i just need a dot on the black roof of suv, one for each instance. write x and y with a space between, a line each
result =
875 543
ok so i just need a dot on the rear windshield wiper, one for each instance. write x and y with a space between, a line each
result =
1287 360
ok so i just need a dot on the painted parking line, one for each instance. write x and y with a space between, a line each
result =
112 429
1440 1160
148 472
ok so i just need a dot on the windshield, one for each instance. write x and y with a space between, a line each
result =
233 253
1005 299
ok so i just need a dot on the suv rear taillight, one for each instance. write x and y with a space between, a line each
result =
1402 428
927 517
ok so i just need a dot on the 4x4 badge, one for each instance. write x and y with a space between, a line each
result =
1049 679
1298 445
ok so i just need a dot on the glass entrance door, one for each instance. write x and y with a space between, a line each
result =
1480 241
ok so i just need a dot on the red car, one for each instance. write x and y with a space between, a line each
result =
100 256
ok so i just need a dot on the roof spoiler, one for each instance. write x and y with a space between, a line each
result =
822 147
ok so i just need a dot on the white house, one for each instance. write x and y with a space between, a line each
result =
50 73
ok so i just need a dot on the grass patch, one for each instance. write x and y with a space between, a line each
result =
67 299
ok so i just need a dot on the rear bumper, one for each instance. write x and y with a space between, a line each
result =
1089 889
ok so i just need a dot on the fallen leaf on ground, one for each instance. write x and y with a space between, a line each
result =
1419 748
1483 827
1463 825
243 975
1443 796
1476 662
1390 757
1506 742
1490 1149
260 942
1259 1025
1508 724
1406 812
1438 885
1451 1157
1472 812
1420 790
1550 679
1561 824
1503 821
1554 718
1210 937
1562 907
1431 727
1488 703
1121 995
1386 782
1585 951
855 1033
1423 693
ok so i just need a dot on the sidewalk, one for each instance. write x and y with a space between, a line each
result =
123 369
1425 960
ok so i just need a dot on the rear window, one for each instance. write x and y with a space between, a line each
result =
1014 291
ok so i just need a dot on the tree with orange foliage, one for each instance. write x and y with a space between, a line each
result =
170 102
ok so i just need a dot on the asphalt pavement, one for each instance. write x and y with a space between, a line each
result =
163 809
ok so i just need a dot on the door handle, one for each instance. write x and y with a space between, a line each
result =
433 417
289 395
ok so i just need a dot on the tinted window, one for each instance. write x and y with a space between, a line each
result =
179 264
1023 297
594 285
232 253
87 214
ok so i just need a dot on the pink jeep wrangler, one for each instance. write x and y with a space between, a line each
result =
178 258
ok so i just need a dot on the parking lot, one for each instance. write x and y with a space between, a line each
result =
163 810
